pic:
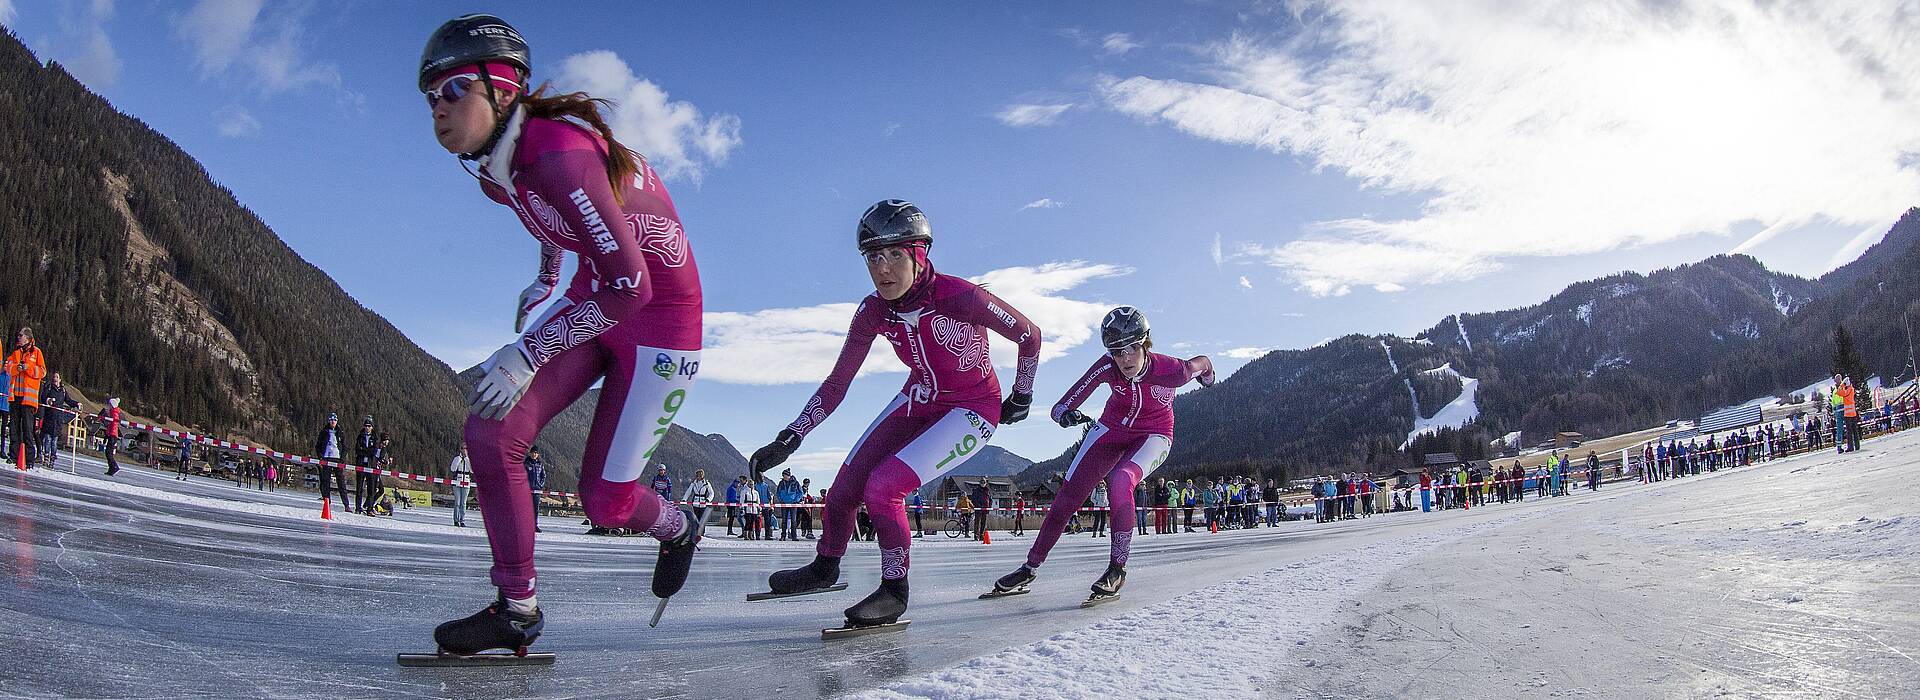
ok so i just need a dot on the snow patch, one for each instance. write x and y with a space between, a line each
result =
1390 363
1585 312
1462 325
1458 412
1524 333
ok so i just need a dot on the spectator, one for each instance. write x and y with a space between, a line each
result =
865 522
662 484
462 474
273 476
110 417
1019 514
787 493
699 495
1100 503
6 404
764 487
27 365
56 412
918 505
329 445
185 455
1163 497
733 498
1140 505
363 449
1189 497
982 507
964 507
382 459
749 510
536 481
805 513
1210 504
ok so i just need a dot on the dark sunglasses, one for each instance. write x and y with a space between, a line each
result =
452 89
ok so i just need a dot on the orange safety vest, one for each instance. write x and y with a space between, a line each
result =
1846 399
28 367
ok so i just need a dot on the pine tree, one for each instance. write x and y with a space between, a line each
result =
1846 358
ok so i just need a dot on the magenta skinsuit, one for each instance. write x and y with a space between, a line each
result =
1131 438
631 315
945 413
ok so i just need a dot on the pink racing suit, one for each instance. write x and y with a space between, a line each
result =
630 316
946 412
1129 441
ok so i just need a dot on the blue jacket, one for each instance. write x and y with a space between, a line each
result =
6 390
663 486
536 473
733 492
789 491
765 490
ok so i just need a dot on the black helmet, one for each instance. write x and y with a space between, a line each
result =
473 39
1123 327
893 222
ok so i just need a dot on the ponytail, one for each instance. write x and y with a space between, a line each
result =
622 162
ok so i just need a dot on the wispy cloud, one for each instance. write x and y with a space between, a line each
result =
799 345
1025 115
264 49
1118 43
235 122
1244 284
1043 203
1859 244
1219 256
81 45
674 136
7 12
1526 134
1246 353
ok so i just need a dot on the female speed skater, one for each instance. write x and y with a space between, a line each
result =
630 317
945 413
1130 440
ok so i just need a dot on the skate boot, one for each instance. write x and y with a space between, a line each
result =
1011 584
1108 586
496 627
676 559
823 572
883 607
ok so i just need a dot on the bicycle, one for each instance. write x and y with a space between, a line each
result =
957 527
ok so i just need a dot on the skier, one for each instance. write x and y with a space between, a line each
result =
1131 439
946 412
630 318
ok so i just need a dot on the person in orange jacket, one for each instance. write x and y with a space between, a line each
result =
1850 412
27 365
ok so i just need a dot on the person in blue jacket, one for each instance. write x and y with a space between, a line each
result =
788 495
764 487
733 496
536 480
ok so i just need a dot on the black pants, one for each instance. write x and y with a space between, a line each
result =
979 522
22 416
1099 522
806 521
732 512
918 529
1853 433
113 465
365 487
331 478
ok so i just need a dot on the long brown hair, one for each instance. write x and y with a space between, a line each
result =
622 163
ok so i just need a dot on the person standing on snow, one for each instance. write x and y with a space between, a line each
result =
26 365
461 473
111 417
949 408
329 445
699 495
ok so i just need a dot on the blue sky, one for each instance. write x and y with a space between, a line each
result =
1254 176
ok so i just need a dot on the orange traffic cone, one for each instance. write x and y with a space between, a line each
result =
986 537
1213 527
20 460
326 508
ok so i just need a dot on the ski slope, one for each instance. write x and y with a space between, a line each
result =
1748 582
1463 409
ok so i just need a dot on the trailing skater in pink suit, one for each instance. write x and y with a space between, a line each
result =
938 326
1129 441
630 317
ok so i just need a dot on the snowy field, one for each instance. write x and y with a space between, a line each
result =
1793 579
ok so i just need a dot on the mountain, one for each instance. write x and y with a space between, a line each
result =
143 278
1602 356
992 461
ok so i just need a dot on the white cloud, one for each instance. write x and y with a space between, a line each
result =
1525 133
799 345
819 465
1043 203
235 122
82 45
1219 256
7 12
674 136
1248 353
1859 244
238 38
1118 43
1025 115
1244 284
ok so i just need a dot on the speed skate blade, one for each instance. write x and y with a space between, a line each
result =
658 610
491 659
1002 594
751 597
845 632
1098 599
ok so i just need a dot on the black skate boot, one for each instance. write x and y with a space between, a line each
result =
676 559
1011 584
496 627
879 612
822 575
1108 586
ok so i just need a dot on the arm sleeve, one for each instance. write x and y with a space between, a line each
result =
576 182
1168 371
852 353
1095 376
550 258
990 311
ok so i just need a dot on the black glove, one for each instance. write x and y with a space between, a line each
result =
775 452
1072 418
1014 409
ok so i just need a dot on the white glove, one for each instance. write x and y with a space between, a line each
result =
531 299
509 373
